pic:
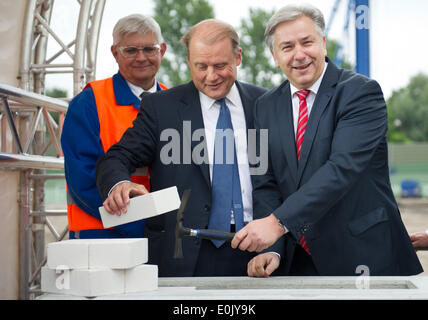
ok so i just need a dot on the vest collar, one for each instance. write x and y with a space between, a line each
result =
123 93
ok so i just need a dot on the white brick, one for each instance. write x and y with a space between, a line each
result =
141 278
97 253
83 282
118 253
145 206
71 253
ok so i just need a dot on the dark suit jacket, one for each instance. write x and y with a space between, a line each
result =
141 145
339 194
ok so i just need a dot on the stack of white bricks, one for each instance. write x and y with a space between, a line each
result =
96 267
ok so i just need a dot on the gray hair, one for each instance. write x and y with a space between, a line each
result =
290 13
136 23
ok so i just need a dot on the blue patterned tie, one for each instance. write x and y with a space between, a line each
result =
226 187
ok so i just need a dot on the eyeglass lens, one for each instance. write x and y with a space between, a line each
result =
132 51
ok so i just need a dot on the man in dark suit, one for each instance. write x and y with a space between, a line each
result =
174 136
326 198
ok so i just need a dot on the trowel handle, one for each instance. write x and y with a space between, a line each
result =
214 234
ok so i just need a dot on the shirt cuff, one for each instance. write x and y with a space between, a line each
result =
279 256
281 224
116 185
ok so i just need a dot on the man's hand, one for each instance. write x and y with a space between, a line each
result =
119 197
263 265
419 240
258 235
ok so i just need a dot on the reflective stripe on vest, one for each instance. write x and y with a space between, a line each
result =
114 119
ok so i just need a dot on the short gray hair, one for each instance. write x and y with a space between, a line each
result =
136 23
290 13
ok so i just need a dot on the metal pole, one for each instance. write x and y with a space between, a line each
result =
43 15
362 20
24 235
26 46
45 9
12 124
93 40
80 46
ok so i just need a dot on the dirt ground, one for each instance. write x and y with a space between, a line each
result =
414 213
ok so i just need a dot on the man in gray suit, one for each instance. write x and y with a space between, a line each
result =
326 199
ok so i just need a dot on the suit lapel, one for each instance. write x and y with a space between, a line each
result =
285 124
191 113
325 92
247 103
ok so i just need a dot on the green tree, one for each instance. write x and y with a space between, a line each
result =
394 134
408 109
175 17
56 93
332 51
257 63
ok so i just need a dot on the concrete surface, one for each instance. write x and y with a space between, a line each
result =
414 213
279 288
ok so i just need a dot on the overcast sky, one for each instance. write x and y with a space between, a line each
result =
398 33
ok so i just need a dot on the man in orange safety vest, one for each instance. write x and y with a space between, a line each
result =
99 115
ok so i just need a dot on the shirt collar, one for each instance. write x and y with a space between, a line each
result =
232 98
136 90
314 88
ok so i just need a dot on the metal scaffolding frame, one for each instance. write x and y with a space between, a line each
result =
37 31
33 122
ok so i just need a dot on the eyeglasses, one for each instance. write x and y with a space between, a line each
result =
131 51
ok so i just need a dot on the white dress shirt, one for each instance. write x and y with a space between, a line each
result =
309 99
210 113
136 90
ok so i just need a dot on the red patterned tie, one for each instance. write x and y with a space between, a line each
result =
301 127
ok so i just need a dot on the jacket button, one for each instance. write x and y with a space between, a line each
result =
207 207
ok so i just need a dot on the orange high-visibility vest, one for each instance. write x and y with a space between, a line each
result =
114 119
